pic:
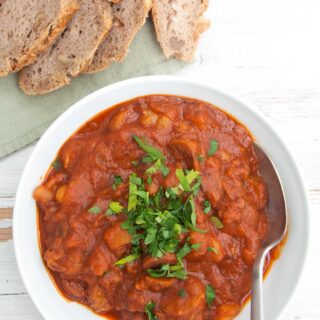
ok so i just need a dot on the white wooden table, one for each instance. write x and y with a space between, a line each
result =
268 53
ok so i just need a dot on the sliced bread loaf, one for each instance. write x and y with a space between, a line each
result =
179 24
128 17
72 52
28 27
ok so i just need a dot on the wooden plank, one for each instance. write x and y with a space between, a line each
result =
5 213
5 224
10 281
11 168
16 307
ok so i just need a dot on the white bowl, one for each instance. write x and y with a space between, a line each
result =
285 273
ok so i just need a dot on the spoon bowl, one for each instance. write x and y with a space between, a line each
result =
277 228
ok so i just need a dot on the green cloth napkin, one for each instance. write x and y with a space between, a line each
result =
23 118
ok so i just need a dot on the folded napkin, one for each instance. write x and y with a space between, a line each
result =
24 118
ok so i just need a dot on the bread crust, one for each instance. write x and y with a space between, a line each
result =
105 55
191 34
57 68
47 37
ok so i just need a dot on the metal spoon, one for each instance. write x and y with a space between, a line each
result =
277 215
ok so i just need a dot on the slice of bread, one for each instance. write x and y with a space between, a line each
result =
128 17
28 27
179 24
72 52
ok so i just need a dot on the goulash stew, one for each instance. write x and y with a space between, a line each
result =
155 209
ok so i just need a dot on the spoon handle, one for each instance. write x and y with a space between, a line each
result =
257 292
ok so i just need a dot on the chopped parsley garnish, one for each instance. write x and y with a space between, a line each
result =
114 208
196 246
217 222
187 178
212 249
127 259
117 181
135 163
158 221
213 147
149 309
206 206
183 252
182 293
158 166
94 210
176 271
210 294
134 182
200 158
153 153
56 164
190 181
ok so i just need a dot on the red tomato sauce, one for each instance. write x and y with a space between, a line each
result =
81 238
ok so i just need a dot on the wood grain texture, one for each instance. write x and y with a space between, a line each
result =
5 224
266 52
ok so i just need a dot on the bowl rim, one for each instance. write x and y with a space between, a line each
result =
156 79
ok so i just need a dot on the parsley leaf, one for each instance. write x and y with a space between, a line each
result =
117 181
182 293
212 249
213 147
200 158
183 252
206 206
196 246
127 259
217 222
149 309
94 210
168 271
153 155
134 182
187 178
134 179
153 152
164 170
210 294
189 213
183 180
158 165
135 163
114 208
56 164
186 249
